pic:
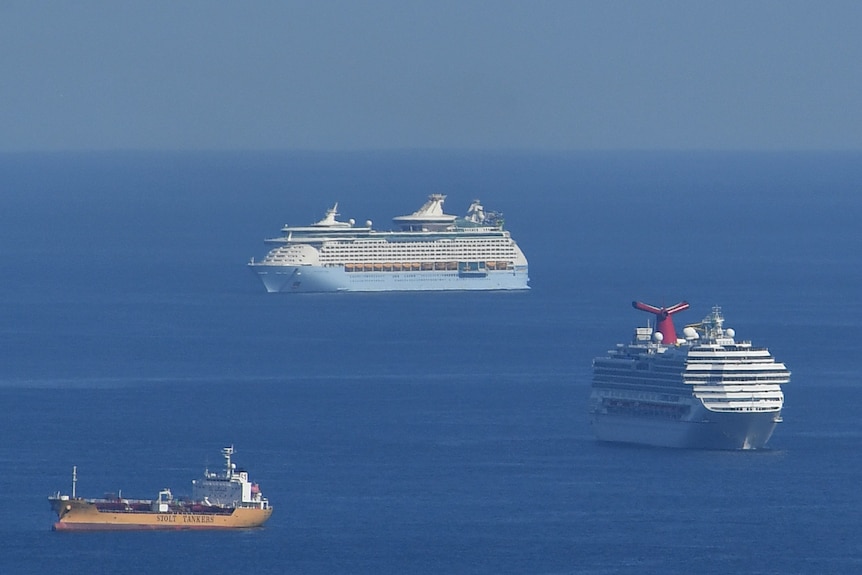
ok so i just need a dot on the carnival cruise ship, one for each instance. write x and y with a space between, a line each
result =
705 390
427 250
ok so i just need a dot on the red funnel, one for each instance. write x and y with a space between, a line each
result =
663 322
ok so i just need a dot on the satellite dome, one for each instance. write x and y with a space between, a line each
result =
367 223
730 332
351 221
690 333
658 336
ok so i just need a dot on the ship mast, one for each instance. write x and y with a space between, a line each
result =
227 452
74 479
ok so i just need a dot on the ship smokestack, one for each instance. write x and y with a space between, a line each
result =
664 323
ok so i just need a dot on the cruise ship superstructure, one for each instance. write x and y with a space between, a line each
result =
428 250
705 390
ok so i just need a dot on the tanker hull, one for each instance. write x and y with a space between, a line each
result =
85 515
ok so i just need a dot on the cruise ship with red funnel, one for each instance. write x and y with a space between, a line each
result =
704 390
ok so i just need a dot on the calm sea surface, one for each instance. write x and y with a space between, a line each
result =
422 433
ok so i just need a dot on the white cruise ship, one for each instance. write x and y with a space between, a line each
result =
428 250
702 391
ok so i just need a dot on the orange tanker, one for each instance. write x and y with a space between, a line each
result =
219 501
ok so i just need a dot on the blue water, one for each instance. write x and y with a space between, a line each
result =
422 433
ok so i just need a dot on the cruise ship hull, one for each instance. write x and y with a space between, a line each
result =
81 515
705 430
309 279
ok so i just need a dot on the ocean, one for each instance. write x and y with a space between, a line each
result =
422 432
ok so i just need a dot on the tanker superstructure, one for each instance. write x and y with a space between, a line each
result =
429 250
704 390
219 501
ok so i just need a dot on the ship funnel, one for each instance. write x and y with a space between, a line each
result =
664 323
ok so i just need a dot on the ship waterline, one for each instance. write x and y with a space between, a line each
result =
323 279
429 250
86 516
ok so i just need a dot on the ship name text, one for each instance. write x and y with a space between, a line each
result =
172 518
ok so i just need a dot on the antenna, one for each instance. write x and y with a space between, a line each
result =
74 479
664 323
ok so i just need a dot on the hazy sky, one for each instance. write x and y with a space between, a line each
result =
325 74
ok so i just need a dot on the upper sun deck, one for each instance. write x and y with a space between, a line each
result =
427 222
329 224
430 217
